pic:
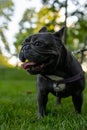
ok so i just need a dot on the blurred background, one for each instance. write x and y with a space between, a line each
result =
19 19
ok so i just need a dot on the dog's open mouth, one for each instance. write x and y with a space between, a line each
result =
32 66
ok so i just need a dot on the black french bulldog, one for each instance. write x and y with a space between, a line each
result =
58 71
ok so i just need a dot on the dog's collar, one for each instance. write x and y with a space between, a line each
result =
59 80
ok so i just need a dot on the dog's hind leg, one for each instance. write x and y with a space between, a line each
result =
78 101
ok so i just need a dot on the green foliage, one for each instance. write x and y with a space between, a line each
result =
76 34
49 18
4 62
21 37
28 17
18 107
48 15
34 22
26 27
6 9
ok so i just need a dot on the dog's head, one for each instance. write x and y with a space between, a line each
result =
42 51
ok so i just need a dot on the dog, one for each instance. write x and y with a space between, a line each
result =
58 71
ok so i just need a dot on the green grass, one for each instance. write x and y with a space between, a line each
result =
18 106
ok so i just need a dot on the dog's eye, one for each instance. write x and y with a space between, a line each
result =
37 43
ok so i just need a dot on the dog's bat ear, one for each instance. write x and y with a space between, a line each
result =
60 33
43 29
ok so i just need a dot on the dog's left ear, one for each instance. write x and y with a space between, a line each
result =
43 29
60 33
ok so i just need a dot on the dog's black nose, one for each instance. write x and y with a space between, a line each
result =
21 57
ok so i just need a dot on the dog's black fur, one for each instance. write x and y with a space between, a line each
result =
48 56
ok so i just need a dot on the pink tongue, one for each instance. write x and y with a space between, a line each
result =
28 64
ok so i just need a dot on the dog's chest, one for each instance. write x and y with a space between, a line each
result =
55 79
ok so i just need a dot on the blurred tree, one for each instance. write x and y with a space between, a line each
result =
6 9
32 21
49 15
28 20
76 32
27 25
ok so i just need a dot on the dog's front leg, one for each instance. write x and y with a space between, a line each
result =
42 101
42 97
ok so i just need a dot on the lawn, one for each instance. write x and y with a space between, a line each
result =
18 106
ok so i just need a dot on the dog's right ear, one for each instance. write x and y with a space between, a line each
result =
43 29
60 33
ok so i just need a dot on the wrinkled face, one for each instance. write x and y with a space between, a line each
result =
40 52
